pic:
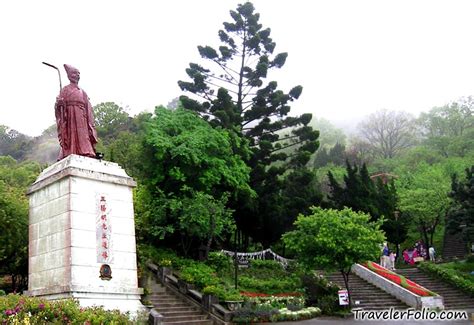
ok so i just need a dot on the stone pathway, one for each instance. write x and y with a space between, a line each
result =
337 320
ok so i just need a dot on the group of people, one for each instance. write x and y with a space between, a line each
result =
419 253
410 256
388 258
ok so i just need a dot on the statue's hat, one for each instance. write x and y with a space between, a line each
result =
69 69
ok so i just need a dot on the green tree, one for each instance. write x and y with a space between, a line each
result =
186 160
450 129
423 196
361 193
461 213
14 180
110 120
14 143
203 217
335 240
233 94
335 155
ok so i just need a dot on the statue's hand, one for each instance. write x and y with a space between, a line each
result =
59 101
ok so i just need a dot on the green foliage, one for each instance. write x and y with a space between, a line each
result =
14 143
269 285
191 171
14 180
361 193
110 120
219 261
199 274
423 197
17 309
335 239
450 129
335 155
320 292
451 276
461 214
236 97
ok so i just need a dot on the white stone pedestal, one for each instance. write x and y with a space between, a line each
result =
81 218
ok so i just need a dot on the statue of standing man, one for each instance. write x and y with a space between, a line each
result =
74 119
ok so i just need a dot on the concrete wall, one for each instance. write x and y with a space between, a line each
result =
394 289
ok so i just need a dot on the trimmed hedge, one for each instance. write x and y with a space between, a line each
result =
450 276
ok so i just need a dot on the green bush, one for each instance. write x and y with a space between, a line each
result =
199 274
219 262
2 292
448 275
316 287
270 285
17 309
266 264
160 256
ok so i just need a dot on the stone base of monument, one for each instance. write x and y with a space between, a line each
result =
82 235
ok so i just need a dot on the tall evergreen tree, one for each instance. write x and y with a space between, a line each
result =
234 95
373 196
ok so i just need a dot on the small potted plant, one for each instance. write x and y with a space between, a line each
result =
165 268
210 296
185 283
233 300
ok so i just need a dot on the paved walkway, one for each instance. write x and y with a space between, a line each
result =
334 321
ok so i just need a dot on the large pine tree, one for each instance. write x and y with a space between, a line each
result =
233 93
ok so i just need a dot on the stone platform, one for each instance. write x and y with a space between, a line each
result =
82 235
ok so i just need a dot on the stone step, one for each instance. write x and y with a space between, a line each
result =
190 312
190 322
175 309
171 305
165 300
184 318
369 296
453 298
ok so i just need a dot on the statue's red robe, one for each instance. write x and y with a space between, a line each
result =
75 122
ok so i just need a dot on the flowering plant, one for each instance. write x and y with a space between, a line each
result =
17 309
277 301
399 279
165 262
305 313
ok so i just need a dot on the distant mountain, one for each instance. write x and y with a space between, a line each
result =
43 149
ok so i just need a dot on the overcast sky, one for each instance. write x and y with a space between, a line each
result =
351 57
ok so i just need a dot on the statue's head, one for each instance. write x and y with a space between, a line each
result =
73 74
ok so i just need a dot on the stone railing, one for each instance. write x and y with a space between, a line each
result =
408 297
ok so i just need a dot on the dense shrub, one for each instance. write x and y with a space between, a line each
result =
199 274
448 275
17 309
219 262
269 285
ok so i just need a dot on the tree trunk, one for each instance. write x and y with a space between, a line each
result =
345 276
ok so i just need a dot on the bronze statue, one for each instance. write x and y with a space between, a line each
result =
74 119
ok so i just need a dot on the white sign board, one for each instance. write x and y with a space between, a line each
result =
343 297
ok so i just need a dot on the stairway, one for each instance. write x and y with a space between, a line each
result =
176 311
453 297
369 296
453 247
